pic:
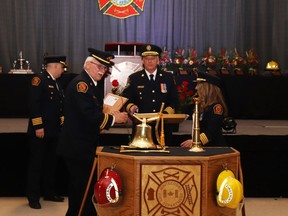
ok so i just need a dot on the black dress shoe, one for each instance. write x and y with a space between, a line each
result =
54 198
35 205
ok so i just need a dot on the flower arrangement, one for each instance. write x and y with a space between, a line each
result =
223 62
238 61
193 61
252 59
187 63
180 58
165 58
252 62
183 62
185 95
209 60
223 59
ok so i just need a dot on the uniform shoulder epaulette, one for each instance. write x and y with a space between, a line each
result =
218 109
82 87
35 81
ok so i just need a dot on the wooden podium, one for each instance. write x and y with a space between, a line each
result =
178 183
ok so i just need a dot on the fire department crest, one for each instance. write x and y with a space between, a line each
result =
121 8
171 190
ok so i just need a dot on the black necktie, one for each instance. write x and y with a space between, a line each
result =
151 77
57 86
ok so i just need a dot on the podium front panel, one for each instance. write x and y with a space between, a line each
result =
170 189
178 183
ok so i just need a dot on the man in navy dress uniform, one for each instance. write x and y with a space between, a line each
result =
84 119
147 89
45 121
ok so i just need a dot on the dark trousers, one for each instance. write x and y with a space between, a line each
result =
79 171
42 167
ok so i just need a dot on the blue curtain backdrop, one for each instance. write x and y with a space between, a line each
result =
69 27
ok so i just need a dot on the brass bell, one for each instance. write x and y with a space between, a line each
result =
143 137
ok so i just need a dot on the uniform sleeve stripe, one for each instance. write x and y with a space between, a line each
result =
129 106
203 138
37 121
104 122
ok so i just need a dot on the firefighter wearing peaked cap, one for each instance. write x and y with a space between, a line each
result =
150 50
212 109
45 121
209 78
84 120
146 94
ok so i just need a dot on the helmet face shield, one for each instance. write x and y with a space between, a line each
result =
229 189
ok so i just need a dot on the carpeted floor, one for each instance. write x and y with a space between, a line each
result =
17 206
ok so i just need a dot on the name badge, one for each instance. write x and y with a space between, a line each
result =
140 87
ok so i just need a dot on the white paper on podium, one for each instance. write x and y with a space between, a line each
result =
110 100
113 103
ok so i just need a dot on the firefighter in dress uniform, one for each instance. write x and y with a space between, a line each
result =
45 121
212 109
84 119
148 88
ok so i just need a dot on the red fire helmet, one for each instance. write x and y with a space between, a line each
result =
108 188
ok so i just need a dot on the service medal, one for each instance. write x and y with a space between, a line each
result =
163 87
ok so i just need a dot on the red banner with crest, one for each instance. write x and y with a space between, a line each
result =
121 9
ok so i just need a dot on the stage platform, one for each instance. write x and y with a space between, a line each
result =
244 127
263 147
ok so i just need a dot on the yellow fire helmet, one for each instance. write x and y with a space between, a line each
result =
272 65
229 189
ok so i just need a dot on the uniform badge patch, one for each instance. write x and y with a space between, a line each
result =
35 81
218 109
82 87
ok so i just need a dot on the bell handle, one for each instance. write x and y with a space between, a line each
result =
157 123
135 116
